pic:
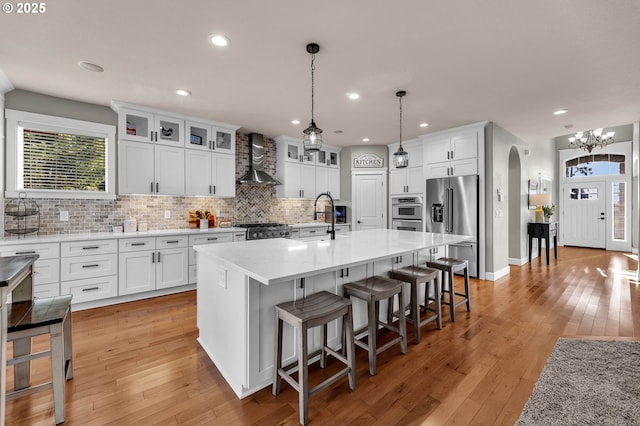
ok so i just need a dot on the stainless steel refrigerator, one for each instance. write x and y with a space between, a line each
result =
452 207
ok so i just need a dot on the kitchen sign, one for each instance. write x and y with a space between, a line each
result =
369 160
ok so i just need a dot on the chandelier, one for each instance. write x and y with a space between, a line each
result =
591 139
400 158
312 140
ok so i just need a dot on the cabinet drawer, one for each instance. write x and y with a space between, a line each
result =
46 271
46 251
137 244
75 268
46 290
195 240
312 232
90 289
239 236
172 242
84 248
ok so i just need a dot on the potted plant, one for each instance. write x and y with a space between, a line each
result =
548 212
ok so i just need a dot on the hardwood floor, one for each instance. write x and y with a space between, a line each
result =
139 363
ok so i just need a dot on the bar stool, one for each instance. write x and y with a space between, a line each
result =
415 276
373 290
313 311
49 315
450 266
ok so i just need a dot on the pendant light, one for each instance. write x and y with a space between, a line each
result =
401 157
312 135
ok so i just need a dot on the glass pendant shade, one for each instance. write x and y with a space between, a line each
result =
400 158
312 138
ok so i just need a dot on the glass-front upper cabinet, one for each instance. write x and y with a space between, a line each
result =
142 126
210 138
328 156
296 152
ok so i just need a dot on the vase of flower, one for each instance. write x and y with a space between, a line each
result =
548 212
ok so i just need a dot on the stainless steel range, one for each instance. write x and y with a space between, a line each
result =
260 231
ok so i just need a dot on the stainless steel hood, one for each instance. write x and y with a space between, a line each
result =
256 174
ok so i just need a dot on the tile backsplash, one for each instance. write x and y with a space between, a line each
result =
253 203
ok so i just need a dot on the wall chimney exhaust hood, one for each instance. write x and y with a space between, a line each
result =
256 174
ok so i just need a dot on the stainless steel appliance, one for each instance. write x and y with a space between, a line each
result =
341 214
260 231
452 207
407 225
406 213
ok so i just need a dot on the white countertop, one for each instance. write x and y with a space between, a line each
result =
314 224
109 235
277 260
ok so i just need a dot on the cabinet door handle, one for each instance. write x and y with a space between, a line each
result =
157 187
93 265
452 155
156 136
153 257
214 190
151 135
212 239
313 231
137 244
26 252
173 242
152 187
158 257
210 189
91 248
91 288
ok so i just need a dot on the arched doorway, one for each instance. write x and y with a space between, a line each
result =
516 200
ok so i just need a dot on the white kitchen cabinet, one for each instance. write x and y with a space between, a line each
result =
209 173
328 157
453 154
298 181
145 126
88 269
328 180
46 270
148 169
148 263
408 180
292 151
209 238
210 137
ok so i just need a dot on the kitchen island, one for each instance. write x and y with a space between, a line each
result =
239 285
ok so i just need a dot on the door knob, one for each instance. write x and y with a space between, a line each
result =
358 221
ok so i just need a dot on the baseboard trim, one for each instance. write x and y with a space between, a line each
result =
495 276
518 262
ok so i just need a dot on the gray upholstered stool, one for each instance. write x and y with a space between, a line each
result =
313 311
373 290
48 315
415 276
450 266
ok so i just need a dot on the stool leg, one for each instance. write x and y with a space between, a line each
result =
466 288
323 352
403 322
438 302
303 375
275 390
68 345
347 331
22 371
57 371
415 312
373 335
452 292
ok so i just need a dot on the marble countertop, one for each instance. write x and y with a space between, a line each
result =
314 224
109 235
277 260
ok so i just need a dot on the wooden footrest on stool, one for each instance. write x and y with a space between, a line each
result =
451 265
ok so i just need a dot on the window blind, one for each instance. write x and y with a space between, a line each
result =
62 161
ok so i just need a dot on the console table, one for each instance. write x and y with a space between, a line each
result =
543 230
15 279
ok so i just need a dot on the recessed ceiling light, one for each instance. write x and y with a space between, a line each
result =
337 132
219 40
424 124
90 66
365 139
183 92
560 112
353 96
296 122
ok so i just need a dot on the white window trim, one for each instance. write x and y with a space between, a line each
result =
17 119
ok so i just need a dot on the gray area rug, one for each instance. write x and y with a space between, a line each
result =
587 382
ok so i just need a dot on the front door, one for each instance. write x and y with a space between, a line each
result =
369 201
584 219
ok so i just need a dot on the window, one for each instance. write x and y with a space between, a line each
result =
584 193
54 157
595 165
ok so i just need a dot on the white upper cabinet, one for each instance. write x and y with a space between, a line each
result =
293 151
328 157
407 180
210 137
147 169
143 126
328 180
210 174
452 153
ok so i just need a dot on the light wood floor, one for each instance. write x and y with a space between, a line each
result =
139 363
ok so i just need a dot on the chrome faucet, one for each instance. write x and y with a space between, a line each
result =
333 214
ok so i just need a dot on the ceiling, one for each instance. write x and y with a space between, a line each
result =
512 62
